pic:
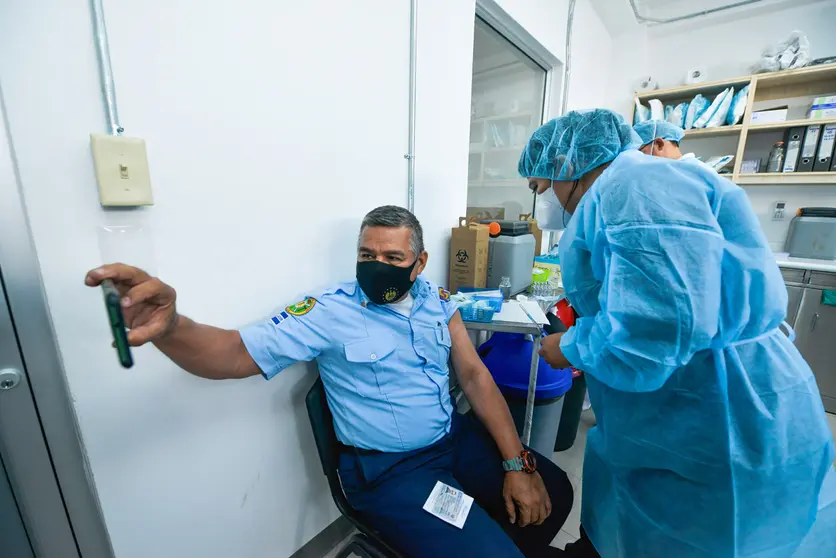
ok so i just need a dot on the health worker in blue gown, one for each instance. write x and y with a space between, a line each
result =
712 439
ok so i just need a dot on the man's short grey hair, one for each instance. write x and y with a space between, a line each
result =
396 217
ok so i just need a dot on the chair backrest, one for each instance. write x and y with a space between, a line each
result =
328 447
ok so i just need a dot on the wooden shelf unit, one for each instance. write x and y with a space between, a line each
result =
804 82
789 124
777 178
713 132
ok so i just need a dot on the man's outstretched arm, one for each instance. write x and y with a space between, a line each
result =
150 313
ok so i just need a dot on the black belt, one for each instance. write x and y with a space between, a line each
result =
358 451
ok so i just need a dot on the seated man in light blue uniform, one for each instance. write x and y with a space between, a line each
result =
711 437
660 138
383 343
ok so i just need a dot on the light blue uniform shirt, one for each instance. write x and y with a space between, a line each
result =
385 375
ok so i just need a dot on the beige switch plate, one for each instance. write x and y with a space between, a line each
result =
121 170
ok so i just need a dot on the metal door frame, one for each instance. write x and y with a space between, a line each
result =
44 455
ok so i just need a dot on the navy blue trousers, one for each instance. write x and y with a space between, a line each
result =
390 489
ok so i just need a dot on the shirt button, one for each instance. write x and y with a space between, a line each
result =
373 356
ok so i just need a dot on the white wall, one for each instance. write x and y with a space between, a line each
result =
591 61
266 147
545 20
591 46
726 46
271 129
445 60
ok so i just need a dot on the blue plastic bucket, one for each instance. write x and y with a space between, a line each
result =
508 357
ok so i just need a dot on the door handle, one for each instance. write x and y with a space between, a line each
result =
9 378
814 322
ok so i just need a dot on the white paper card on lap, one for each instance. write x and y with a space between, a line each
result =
449 504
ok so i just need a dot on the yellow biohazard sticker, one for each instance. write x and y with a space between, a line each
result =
301 308
443 294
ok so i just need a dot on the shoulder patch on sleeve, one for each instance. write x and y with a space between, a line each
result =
301 308
279 318
443 294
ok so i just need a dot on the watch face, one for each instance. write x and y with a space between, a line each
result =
529 462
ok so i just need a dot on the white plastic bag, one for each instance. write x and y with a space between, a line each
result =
789 54
695 110
657 109
677 115
738 106
641 114
719 162
703 119
719 117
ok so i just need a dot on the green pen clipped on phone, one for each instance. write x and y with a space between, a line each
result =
117 323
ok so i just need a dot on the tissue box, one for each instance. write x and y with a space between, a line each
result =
823 107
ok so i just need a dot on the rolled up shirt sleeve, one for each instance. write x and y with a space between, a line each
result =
287 338
448 304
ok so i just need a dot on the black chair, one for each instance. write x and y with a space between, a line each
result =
367 543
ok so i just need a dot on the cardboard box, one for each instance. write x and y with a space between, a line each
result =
535 230
769 116
823 107
468 255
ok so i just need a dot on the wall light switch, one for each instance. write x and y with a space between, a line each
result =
121 170
778 211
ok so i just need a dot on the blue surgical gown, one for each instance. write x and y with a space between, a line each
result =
711 439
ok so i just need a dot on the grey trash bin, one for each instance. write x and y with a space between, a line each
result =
508 357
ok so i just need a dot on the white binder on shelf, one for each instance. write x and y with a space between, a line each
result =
825 154
808 149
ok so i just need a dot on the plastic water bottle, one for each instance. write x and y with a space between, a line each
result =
505 288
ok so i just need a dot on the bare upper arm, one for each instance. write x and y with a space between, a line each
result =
245 364
466 360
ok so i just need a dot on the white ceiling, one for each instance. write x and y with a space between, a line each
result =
617 15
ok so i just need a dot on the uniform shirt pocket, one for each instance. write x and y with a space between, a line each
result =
442 335
371 359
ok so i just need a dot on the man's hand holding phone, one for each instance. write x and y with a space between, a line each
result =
148 304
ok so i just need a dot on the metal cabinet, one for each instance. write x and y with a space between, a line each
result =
815 330
794 303
794 278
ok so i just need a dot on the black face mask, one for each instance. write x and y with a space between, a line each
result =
384 283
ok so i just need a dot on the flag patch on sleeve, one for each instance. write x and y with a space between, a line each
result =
279 318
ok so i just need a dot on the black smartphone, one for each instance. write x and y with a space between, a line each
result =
117 323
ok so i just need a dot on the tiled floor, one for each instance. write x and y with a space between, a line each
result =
571 461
